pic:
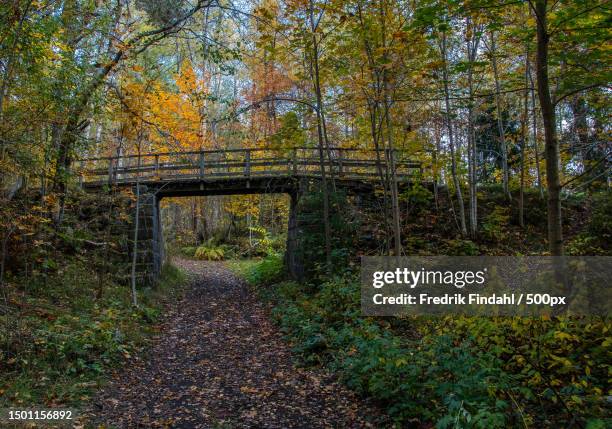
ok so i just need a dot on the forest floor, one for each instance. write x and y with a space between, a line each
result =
219 361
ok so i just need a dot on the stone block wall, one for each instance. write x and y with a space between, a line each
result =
150 245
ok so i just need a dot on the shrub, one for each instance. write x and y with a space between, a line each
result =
470 372
601 220
495 224
262 243
207 253
229 251
462 248
417 196
434 378
188 251
597 236
600 225
534 208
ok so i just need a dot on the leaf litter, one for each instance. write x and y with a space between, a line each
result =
219 361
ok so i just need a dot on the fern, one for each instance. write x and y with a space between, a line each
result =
209 253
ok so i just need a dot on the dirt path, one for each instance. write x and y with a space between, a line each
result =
220 362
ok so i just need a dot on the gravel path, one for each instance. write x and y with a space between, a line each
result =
219 362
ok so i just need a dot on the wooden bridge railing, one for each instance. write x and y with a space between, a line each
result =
361 164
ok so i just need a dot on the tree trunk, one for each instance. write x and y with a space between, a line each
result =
434 161
314 72
373 101
581 130
382 174
397 237
551 149
136 227
472 51
451 140
536 148
500 122
4 251
524 126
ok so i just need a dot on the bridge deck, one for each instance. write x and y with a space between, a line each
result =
236 165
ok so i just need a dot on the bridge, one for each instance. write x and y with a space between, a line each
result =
178 171
238 171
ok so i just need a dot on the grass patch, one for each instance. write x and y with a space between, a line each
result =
262 271
242 267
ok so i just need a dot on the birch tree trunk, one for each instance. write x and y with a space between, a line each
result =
451 141
536 146
500 122
524 126
472 50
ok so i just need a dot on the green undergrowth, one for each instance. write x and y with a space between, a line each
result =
258 244
453 372
261 271
64 333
